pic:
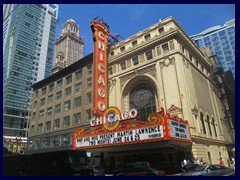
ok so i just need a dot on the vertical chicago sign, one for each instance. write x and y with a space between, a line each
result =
100 38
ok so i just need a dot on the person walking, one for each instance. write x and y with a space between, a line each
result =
221 161
233 163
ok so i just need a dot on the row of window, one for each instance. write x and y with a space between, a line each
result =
66 107
209 124
58 95
68 81
148 55
135 42
55 125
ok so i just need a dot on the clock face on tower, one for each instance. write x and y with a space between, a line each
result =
142 97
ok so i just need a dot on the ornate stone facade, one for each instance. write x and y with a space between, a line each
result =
181 76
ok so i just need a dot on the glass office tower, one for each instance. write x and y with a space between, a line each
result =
28 49
221 40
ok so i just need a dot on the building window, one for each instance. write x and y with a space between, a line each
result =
142 98
51 88
196 63
32 129
214 127
203 124
77 118
43 91
135 60
50 99
89 97
57 109
56 123
88 115
190 56
165 48
69 80
182 49
68 91
110 70
134 43
78 87
147 37
149 55
78 75
89 69
40 127
33 116
59 95
89 82
35 104
49 111
112 53
161 30
209 127
36 94
42 102
123 65
66 121
48 126
41 115
59 84
67 105
77 102
122 49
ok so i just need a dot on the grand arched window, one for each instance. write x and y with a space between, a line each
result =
209 126
203 124
214 127
142 98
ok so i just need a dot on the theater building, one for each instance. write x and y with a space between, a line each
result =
165 101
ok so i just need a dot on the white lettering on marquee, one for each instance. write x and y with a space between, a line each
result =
121 137
178 130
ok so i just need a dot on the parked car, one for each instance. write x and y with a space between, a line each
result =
189 167
98 170
138 169
210 170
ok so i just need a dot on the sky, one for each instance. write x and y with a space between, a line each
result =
128 19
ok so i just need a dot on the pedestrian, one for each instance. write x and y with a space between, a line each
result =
201 161
233 163
184 162
221 161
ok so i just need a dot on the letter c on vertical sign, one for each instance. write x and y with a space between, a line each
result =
101 35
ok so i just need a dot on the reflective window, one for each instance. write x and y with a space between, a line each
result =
142 98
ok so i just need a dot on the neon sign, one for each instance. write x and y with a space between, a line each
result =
100 38
112 117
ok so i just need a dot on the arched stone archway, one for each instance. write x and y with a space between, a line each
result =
140 92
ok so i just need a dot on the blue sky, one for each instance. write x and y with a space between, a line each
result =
128 19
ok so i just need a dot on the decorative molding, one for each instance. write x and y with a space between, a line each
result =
138 72
195 110
168 61
174 110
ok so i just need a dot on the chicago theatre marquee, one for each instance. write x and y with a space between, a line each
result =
157 98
